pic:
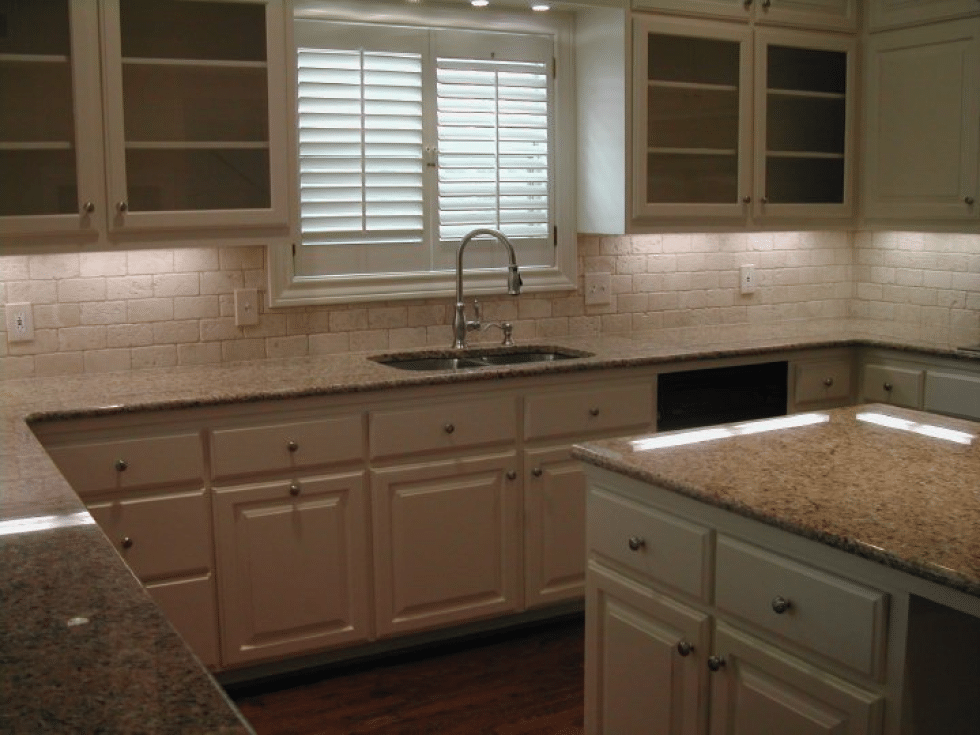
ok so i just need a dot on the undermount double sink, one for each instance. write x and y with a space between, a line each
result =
469 359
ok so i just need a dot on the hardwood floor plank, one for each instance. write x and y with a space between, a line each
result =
523 682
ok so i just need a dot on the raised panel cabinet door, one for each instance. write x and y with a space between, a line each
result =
921 137
899 386
645 657
892 13
446 541
758 690
841 15
953 394
292 566
554 526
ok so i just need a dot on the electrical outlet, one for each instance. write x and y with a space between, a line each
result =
598 288
246 307
746 279
20 323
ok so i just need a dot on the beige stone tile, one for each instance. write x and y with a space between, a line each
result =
129 335
44 267
59 363
328 344
176 332
103 312
195 307
102 264
71 339
155 356
242 349
81 289
129 287
107 361
296 346
139 262
199 353
176 284
150 310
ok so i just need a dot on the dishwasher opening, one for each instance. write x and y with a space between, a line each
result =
693 398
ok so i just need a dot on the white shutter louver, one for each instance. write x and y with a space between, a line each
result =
493 131
360 147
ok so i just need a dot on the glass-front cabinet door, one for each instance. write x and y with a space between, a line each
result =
803 131
191 118
50 119
691 104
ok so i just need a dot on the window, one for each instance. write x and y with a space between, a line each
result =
408 136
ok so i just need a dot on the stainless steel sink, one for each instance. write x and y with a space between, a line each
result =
478 358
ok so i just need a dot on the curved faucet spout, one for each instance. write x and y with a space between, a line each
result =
460 323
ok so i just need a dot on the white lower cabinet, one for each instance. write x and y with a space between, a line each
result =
292 560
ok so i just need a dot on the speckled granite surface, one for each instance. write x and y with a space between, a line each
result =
83 648
866 480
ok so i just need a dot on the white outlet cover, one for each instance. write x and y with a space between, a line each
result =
20 322
246 307
598 288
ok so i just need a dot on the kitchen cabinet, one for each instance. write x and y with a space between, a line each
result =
892 13
740 124
839 15
921 138
163 116
946 386
826 381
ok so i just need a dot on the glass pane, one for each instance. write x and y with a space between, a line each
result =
27 115
171 29
692 118
808 70
687 59
38 182
692 179
35 27
169 179
805 124
805 180
195 103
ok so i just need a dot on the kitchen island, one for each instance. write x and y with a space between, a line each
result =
84 645
818 572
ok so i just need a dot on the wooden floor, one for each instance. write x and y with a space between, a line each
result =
526 682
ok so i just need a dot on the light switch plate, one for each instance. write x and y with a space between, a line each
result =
598 288
20 322
746 278
246 307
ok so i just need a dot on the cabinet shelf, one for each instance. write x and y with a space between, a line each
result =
805 94
34 59
700 86
194 63
197 145
805 154
693 151
55 145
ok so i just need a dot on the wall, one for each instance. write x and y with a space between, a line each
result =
99 312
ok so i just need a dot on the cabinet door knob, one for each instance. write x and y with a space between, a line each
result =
449 428
716 663
747 200
511 475
294 489
121 465
126 543
764 200
122 206
292 446
970 201
88 207
636 543
828 382
685 648
593 412
888 387
537 472
767 4
780 604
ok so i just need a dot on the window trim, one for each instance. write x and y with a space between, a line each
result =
286 288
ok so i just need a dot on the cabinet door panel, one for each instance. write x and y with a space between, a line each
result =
446 542
292 561
891 13
637 681
895 385
189 605
949 393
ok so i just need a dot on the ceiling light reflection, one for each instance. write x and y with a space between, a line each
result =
44 523
937 432
697 436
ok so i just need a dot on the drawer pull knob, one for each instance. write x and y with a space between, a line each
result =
780 604
537 472
716 663
127 542
593 412
294 489
511 475
685 648
636 543
292 446
449 428
970 201
828 382
121 465
888 387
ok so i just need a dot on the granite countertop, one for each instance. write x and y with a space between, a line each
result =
84 647
893 485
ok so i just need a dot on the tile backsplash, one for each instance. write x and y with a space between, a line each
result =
100 312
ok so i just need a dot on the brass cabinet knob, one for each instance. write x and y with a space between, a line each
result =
121 465
126 543
88 207
828 382
449 428
511 475
780 604
685 648
292 446
636 543
537 472
716 663
294 489
122 206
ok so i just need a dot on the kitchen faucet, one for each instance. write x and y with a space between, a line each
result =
461 325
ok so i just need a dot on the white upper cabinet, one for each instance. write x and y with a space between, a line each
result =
138 115
50 160
893 13
827 14
740 124
922 138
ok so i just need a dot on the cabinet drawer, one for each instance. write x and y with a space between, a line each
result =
443 426
895 385
828 380
589 410
664 547
159 536
950 393
131 464
832 616
290 446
